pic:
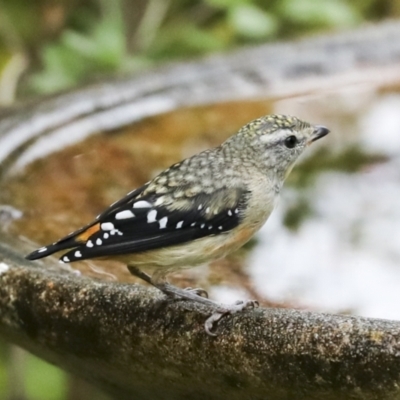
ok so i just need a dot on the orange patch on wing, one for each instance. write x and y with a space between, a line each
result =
84 236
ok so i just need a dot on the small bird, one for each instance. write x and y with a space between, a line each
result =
198 210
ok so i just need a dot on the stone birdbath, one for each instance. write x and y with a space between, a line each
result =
64 159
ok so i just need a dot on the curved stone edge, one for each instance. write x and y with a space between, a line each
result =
254 72
129 339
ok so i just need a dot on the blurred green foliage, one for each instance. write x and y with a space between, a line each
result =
23 376
68 42
3 369
44 381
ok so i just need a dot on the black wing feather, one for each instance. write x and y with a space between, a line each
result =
169 225
71 239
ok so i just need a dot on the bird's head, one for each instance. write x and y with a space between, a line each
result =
276 141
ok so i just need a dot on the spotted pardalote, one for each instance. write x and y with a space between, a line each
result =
197 210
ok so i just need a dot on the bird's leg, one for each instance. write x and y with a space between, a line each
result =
226 309
135 271
199 291
159 281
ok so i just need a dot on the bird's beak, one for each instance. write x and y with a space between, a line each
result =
319 132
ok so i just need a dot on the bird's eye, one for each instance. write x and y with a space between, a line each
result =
290 142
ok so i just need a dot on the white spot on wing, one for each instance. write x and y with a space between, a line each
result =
202 226
124 214
193 224
210 227
99 242
236 210
230 213
65 259
220 228
78 254
3 268
207 210
179 225
106 236
163 222
107 226
42 249
142 204
200 207
151 216
89 243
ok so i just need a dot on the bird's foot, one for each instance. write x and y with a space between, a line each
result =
197 291
199 296
221 310
227 309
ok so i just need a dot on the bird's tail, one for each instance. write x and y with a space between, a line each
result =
74 239
51 248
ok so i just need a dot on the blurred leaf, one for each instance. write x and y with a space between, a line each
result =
335 13
226 4
62 69
3 366
250 21
25 18
44 381
178 40
363 5
96 40
77 56
10 74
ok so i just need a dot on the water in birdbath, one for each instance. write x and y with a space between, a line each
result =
333 242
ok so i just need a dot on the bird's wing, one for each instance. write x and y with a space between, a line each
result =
145 220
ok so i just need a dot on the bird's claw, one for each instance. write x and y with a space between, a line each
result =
210 321
197 291
246 304
228 309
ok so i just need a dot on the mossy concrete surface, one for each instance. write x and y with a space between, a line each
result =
135 343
